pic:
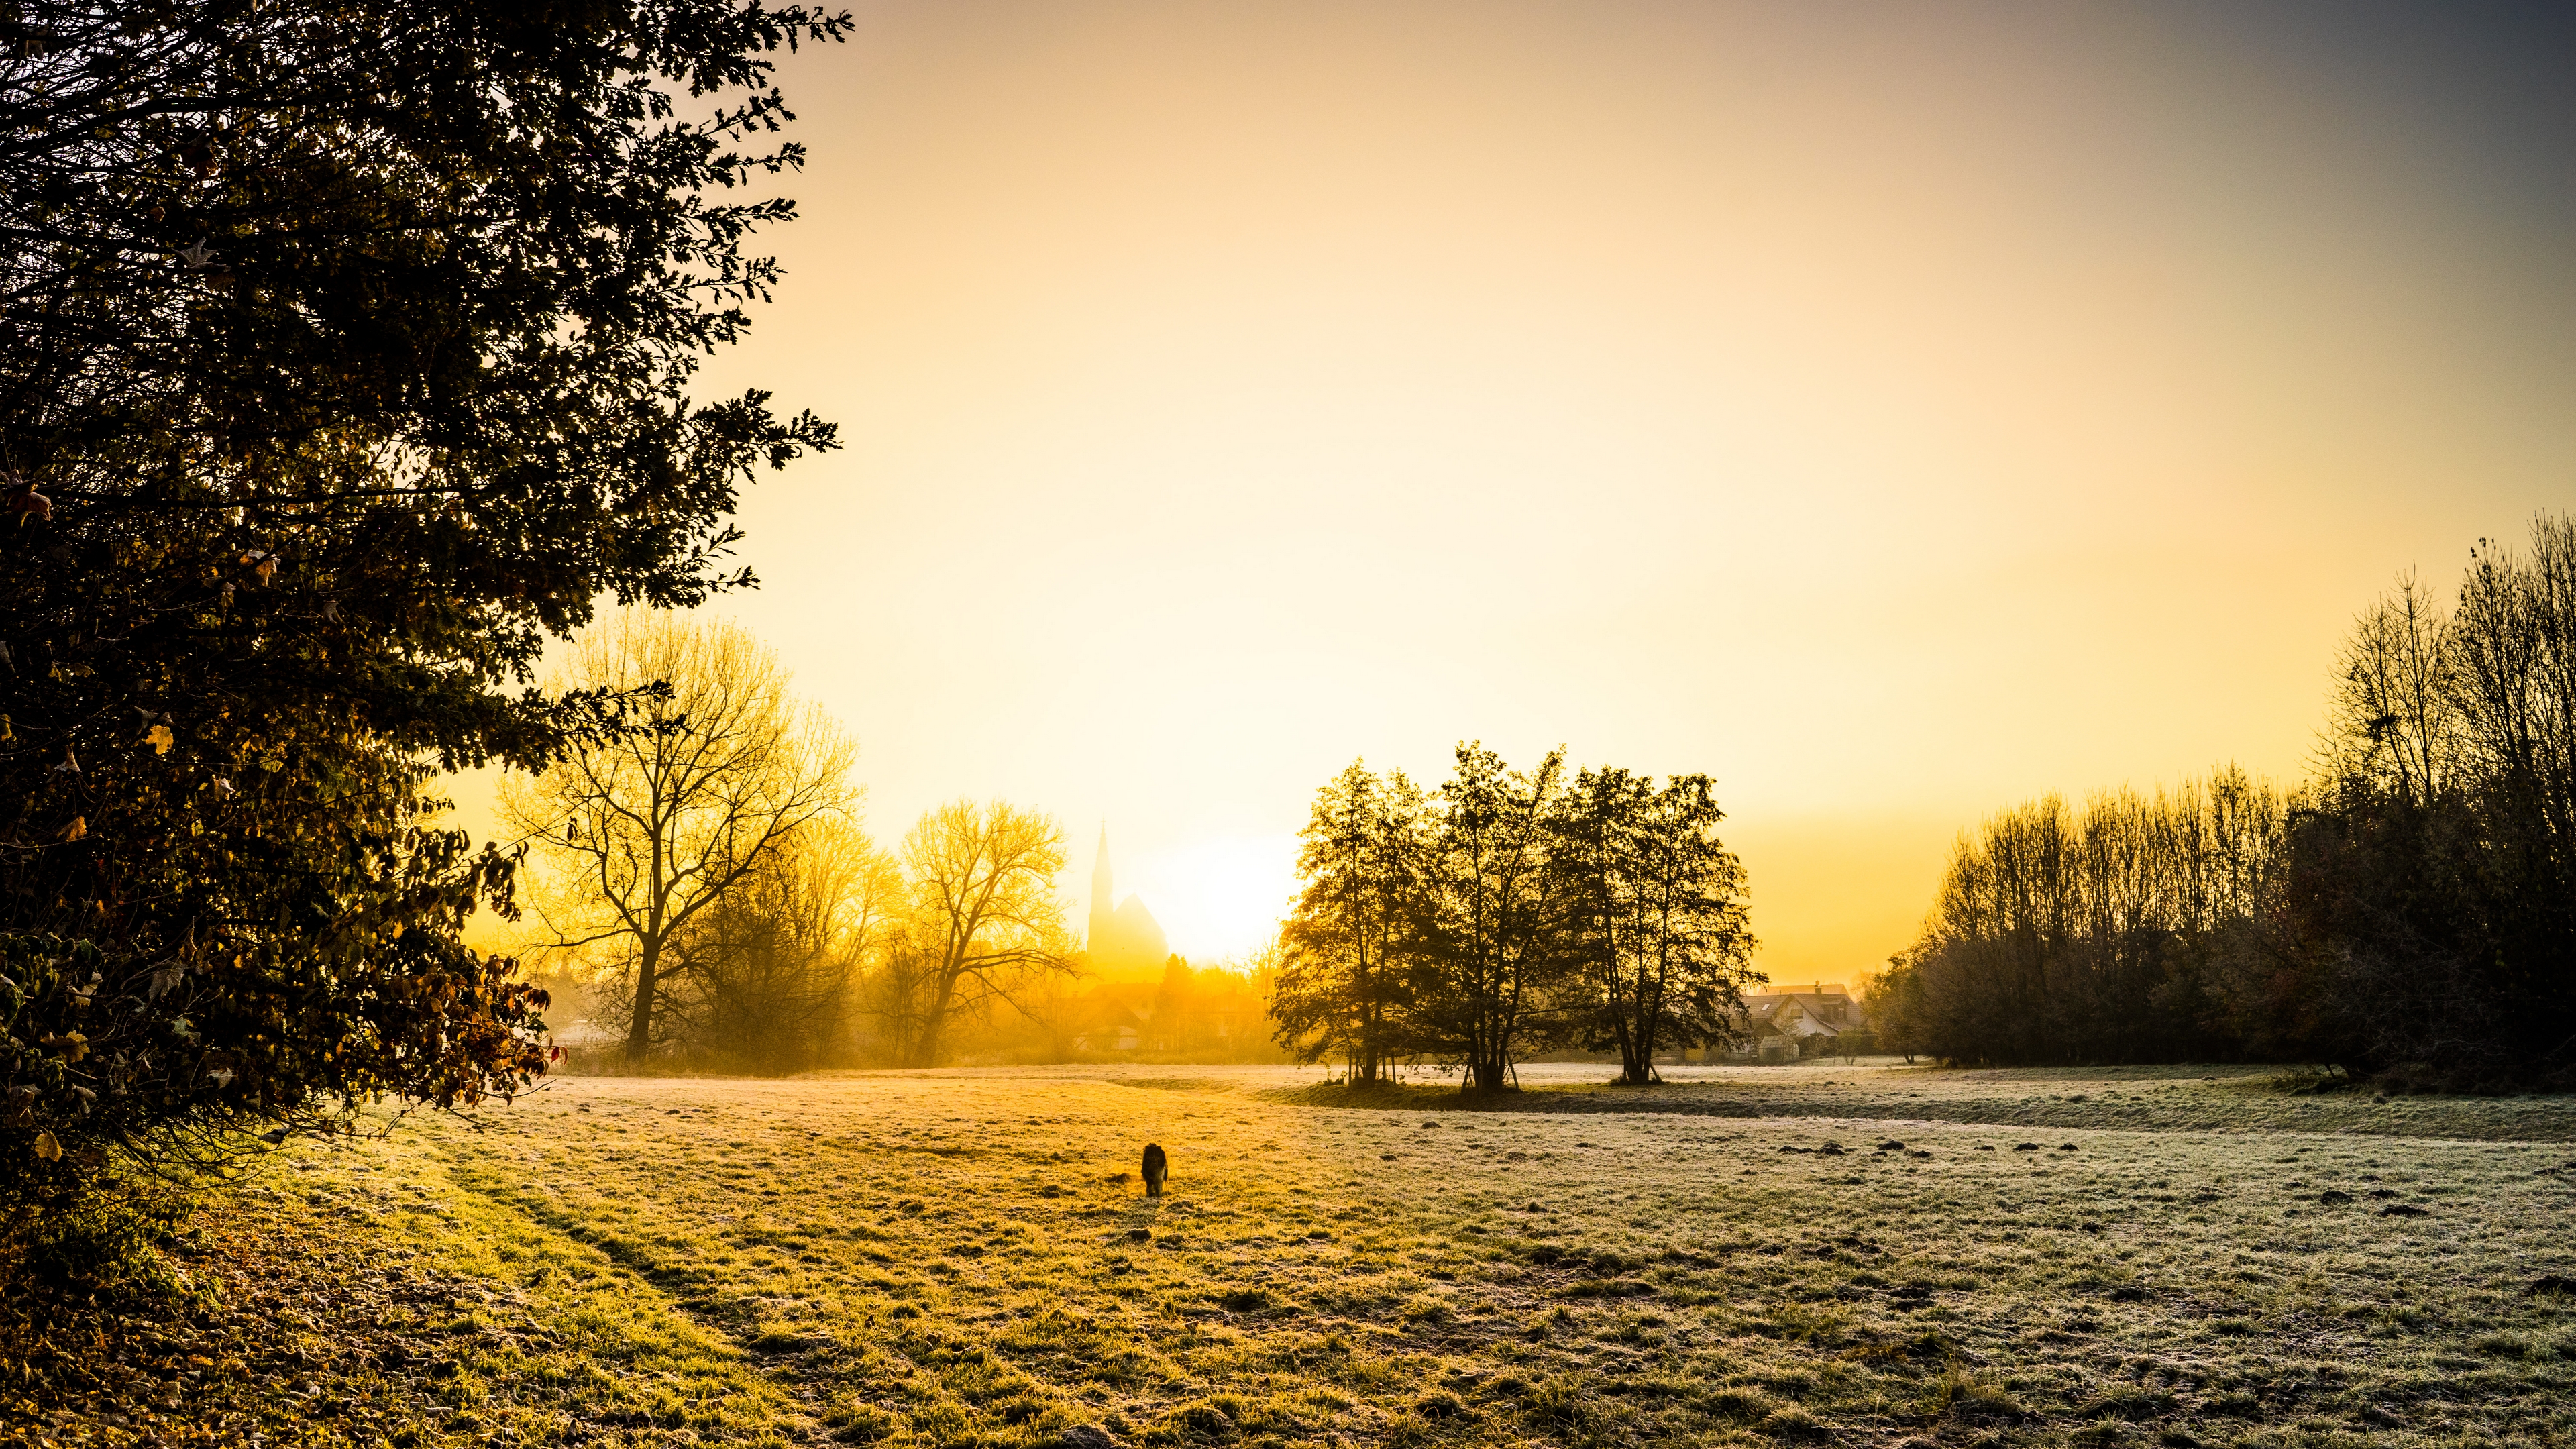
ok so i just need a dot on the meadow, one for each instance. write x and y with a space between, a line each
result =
1826 1253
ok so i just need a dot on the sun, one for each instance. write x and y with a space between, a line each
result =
1218 897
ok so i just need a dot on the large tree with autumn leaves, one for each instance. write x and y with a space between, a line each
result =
346 356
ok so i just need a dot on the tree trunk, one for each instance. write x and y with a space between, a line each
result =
1637 1041
934 1024
1636 1057
639 1030
1636 1068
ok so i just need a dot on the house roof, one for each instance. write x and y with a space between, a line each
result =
1808 1013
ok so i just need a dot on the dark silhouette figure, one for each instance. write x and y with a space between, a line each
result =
1157 1167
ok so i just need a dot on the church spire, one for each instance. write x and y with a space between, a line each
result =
1125 937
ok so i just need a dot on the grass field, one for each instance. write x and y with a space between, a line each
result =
2148 1256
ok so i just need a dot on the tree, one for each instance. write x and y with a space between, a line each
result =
1344 973
1496 930
1893 1001
1659 929
767 979
2514 678
2430 913
650 829
2118 931
2395 711
985 917
897 992
345 357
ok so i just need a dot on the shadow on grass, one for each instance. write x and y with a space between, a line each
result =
2234 1104
1404 1097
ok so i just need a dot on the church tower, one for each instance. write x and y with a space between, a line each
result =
1125 938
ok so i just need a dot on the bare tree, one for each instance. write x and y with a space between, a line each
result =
985 916
2409 912
2516 678
896 993
647 831
2123 931
767 980
2394 715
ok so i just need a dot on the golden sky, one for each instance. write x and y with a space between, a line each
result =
1891 410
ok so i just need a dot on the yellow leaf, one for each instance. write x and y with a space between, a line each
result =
46 1147
78 829
159 738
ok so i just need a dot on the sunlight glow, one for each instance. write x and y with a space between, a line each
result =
1218 896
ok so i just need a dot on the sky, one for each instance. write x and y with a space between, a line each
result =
1892 411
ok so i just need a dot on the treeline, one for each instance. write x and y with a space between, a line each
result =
706 868
1205 1014
707 886
818 958
2409 912
1509 913
2109 933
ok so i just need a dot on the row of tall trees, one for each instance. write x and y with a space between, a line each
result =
1510 912
708 866
347 355
2114 932
2409 911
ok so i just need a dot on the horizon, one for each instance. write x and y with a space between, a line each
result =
1677 722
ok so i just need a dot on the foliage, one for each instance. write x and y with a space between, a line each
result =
984 921
2092 935
1191 1014
1208 1013
1505 913
345 355
1493 938
767 980
2430 904
1892 1002
100 1238
1662 945
1344 983
2410 913
648 830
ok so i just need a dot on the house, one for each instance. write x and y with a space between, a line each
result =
1820 1010
1116 1029
1784 1025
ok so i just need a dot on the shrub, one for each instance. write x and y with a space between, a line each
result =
104 1237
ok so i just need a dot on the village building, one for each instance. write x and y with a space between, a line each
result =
1782 1026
